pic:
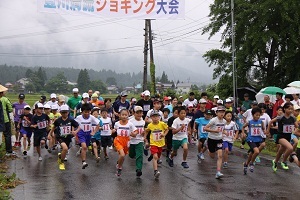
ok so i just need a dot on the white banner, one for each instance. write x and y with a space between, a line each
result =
135 9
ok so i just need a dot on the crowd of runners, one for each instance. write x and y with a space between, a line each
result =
151 125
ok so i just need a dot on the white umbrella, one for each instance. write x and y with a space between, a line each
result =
292 90
295 84
260 97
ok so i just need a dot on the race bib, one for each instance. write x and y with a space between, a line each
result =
156 136
87 127
121 108
256 131
123 133
288 128
146 107
220 129
25 123
93 128
184 130
230 133
106 127
140 130
202 130
65 130
42 125
20 112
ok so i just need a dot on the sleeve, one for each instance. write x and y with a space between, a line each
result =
13 105
33 121
47 117
9 106
77 119
148 113
78 106
132 127
116 126
245 114
212 121
174 125
165 126
100 123
115 107
56 123
184 103
74 123
95 120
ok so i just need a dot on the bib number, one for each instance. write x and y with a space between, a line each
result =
156 136
288 128
220 129
230 133
256 131
86 127
42 125
20 112
65 130
123 133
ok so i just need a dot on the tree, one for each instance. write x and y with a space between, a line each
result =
57 84
164 78
267 42
111 81
194 87
152 75
41 74
83 81
28 73
170 92
98 85
30 87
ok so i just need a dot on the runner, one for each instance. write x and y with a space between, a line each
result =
73 101
146 103
137 143
85 121
215 143
96 138
157 130
124 130
85 100
53 100
190 100
24 127
120 105
64 130
157 107
106 140
166 113
169 136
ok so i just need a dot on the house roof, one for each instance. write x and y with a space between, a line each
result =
184 85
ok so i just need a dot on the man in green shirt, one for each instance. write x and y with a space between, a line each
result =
73 101
7 108
247 102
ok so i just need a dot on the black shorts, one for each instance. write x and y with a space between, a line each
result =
202 140
214 145
106 141
66 140
94 140
253 145
169 140
16 127
286 136
38 137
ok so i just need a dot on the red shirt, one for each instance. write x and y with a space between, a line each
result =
276 105
209 105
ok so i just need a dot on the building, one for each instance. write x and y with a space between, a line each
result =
22 83
112 89
129 89
162 87
183 88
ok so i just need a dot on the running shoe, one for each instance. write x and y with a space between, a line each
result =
62 166
171 163
59 158
150 158
25 153
184 165
139 173
225 165
66 159
245 168
219 175
106 157
98 159
242 146
251 167
202 156
40 158
84 165
119 172
284 166
199 156
257 159
146 152
274 165
49 150
78 152
159 161
156 174
90 147
291 159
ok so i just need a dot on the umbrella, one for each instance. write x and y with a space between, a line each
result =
295 84
241 91
270 91
292 90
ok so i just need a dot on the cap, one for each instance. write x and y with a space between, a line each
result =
75 90
190 105
124 94
21 96
246 95
85 95
39 105
64 108
170 98
43 97
61 98
231 98
133 99
221 108
180 96
208 112
228 101
296 107
138 108
154 112
53 96
47 106
166 98
202 101
142 94
95 95
147 93
220 101
27 107
216 97
54 107
192 93
101 103
254 103
156 101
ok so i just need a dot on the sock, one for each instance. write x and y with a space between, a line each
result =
83 161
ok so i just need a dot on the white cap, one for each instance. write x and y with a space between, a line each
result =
53 96
228 101
138 108
169 97
147 93
47 106
27 106
202 101
180 96
54 107
216 97
39 105
134 99
296 107
85 95
75 90
220 102
64 108
190 105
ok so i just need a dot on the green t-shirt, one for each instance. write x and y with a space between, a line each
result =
247 104
7 108
72 103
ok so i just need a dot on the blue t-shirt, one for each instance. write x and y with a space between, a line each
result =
240 121
202 122
97 135
255 131
170 107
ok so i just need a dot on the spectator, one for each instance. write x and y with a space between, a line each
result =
269 105
216 99
181 99
190 100
90 92
288 99
146 103
73 101
296 100
1 123
278 103
247 102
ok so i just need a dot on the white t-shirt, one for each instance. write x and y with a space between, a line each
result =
177 124
296 102
86 124
50 103
124 130
140 125
230 128
106 131
165 119
216 124
248 115
187 102
266 120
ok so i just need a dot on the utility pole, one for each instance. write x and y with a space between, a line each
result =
152 66
145 55
233 54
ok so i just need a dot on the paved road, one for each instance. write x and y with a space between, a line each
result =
98 181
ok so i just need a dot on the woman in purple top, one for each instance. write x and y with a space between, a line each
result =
18 111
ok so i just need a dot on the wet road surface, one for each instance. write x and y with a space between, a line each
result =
98 181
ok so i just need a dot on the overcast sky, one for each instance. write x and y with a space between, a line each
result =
25 31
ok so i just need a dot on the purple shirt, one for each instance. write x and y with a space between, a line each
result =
18 110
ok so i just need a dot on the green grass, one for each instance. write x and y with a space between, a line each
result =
270 148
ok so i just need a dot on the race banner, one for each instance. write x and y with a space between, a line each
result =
135 9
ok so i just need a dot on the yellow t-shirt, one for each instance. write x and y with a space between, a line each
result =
298 118
53 117
155 132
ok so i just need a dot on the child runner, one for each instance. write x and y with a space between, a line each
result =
124 130
40 122
106 140
240 122
295 156
215 133
230 134
286 125
181 130
295 138
95 139
53 116
254 139
158 130
136 148
85 121
18 108
169 136
24 127
156 106
166 113
190 115
63 128
202 135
